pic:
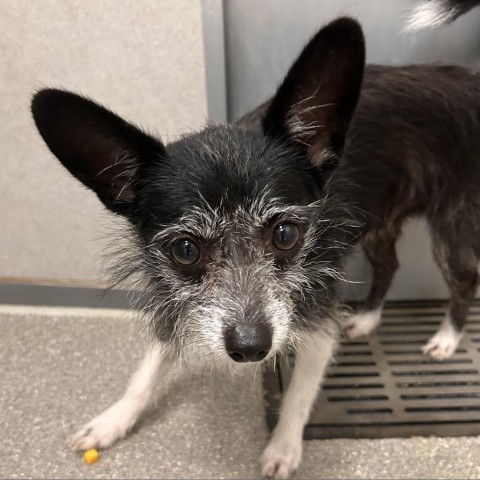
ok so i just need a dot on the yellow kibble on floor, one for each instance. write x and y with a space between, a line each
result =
91 456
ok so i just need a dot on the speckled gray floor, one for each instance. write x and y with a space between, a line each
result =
60 367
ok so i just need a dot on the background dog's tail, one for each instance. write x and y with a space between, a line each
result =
432 13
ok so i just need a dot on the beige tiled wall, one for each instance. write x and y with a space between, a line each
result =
142 58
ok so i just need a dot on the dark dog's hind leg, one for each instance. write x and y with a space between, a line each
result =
459 266
379 246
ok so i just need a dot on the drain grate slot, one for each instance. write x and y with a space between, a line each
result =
355 364
343 386
430 396
425 361
448 408
360 353
451 384
357 398
385 387
412 373
356 411
352 374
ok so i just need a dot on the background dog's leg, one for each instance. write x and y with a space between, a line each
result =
116 421
459 266
284 451
379 246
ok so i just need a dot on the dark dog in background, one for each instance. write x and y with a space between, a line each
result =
413 149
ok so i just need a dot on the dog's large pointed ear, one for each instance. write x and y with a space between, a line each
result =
315 102
99 148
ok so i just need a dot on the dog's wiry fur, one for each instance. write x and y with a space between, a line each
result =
240 279
227 191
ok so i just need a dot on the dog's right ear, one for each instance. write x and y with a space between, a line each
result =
99 148
315 102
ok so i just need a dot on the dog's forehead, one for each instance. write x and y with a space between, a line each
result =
224 176
227 163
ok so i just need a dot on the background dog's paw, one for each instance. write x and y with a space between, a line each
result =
281 458
102 431
361 324
443 344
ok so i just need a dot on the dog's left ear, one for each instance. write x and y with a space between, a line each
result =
315 102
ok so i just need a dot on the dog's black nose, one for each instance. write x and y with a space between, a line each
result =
248 343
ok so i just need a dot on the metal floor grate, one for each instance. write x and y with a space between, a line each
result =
383 386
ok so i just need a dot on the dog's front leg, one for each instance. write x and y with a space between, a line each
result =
115 422
284 451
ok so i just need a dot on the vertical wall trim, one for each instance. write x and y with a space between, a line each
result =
215 65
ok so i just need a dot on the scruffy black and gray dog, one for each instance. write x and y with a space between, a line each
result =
239 233
238 245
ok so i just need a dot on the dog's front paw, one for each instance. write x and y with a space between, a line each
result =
362 323
105 429
443 344
281 458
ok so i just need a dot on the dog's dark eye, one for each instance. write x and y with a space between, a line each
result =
185 252
285 236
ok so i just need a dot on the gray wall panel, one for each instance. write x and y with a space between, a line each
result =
142 58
